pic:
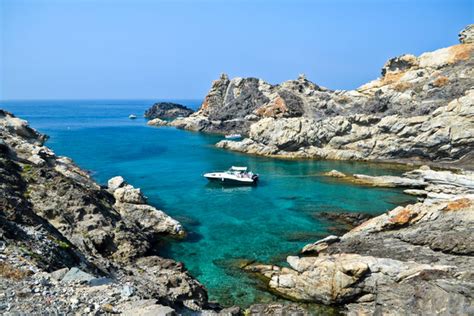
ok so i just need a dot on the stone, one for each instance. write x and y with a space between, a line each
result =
100 281
334 174
115 183
127 291
466 36
59 274
157 122
167 110
75 274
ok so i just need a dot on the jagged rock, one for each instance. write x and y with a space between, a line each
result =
75 274
115 183
55 218
419 109
466 36
167 110
385 264
131 204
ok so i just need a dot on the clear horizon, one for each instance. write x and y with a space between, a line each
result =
164 50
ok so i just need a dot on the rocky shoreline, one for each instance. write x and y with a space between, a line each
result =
420 111
70 246
412 260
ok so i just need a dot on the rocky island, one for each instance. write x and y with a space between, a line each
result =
167 110
420 109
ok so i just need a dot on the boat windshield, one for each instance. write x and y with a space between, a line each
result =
241 169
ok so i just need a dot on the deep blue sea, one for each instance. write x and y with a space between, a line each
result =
225 225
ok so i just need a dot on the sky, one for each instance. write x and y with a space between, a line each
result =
144 49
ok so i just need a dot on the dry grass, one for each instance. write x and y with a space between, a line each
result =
461 52
441 81
458 205
10 272
276 108
392 77
402 86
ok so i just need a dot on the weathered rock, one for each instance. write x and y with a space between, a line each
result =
131 204
334 174
157 122
167 110
77 275
384 264
421 108
466 36
55 218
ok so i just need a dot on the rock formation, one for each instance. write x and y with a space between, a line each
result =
167 110
412 260
69 246
421 108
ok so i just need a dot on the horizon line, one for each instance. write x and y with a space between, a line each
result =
100 99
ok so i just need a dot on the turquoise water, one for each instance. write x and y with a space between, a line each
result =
225 225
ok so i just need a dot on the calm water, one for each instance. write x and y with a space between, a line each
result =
225 225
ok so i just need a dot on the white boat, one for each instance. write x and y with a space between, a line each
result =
233 136
132 116
235 176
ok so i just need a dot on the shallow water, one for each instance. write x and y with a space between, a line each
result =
226 225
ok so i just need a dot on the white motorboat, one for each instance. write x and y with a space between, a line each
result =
132 116
235 176
233 136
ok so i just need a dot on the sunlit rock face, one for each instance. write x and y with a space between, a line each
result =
420 108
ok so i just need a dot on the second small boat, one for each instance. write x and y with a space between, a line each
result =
233 136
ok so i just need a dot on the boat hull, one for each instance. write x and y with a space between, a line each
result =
229 181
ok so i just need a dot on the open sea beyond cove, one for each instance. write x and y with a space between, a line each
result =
226 226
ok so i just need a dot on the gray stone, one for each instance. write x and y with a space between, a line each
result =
75 274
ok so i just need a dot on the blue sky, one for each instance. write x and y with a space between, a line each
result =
118 49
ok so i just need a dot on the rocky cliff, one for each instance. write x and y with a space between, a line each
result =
69 246
420 108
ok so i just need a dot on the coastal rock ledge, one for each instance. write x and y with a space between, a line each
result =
412 260
421 108
70 246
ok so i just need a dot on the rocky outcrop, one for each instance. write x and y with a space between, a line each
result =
421 108
444 135
429 185
466 36
379 267
415 259
157 122
167 110
58 226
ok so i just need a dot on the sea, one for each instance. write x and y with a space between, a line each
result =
227 227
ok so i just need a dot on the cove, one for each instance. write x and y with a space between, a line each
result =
226 226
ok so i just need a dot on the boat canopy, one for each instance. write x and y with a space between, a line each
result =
234 168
